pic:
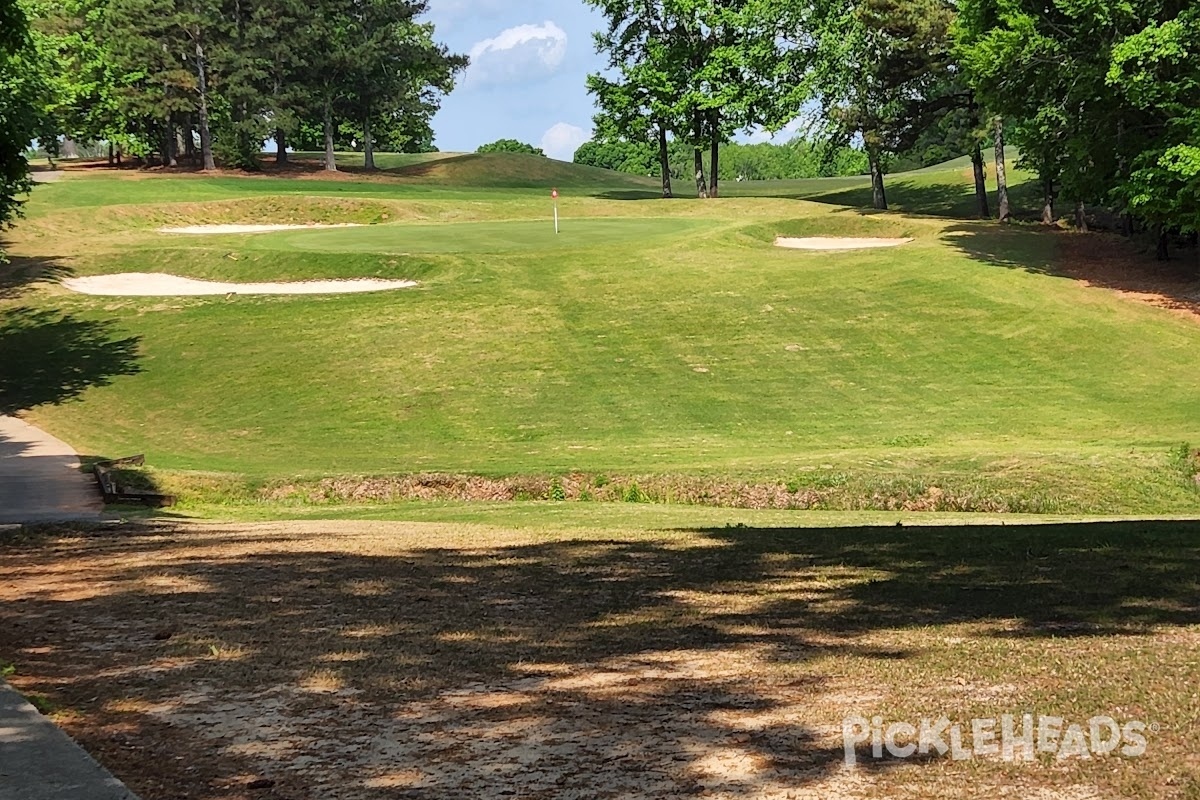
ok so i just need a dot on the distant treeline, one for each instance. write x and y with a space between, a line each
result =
213 80
799 158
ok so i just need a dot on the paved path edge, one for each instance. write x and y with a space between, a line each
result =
38 761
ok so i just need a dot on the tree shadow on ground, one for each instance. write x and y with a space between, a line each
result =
1102 260
22 272
378 665
633 194
956 201
50 357
1077 579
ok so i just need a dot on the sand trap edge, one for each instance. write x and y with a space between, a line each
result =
161 284
200 230
836 243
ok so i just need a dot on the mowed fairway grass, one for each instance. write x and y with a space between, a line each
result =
649 338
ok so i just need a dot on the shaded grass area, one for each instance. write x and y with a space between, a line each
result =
49 358
945 190
384 161
422 660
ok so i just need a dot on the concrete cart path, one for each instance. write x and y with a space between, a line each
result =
40 479
40 762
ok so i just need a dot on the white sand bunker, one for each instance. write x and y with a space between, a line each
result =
202 229
160 284
836 243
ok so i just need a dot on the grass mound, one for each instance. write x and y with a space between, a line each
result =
846 224
241 264
277 209
518 170
383 161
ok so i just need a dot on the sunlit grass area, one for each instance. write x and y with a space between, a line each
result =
662 349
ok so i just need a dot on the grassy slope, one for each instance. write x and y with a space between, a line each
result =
677 342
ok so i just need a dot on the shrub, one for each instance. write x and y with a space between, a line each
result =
634 494
510 146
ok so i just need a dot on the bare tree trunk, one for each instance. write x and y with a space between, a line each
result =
1003 211
1081 222
1163 251
664 161
981 193
714 157
118 155
111 158
368 144
169 150
878 191
698 157
330 157
1048 200
189 141
701 183
206 151
281 156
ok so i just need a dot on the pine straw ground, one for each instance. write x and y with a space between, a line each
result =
364 660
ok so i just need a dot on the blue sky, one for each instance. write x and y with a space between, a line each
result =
526 80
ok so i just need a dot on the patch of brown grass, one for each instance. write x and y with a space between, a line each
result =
882 495
1115 263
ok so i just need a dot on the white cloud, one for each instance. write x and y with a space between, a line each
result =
784 135
562 140
517 54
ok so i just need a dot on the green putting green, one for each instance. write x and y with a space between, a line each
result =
479 237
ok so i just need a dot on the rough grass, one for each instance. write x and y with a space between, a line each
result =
1063 485
686 658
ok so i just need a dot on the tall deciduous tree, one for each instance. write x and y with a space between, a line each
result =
694 71
882 70
16 112
636 100
1098 96
1157 72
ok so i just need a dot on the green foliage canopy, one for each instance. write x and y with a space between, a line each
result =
510 146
